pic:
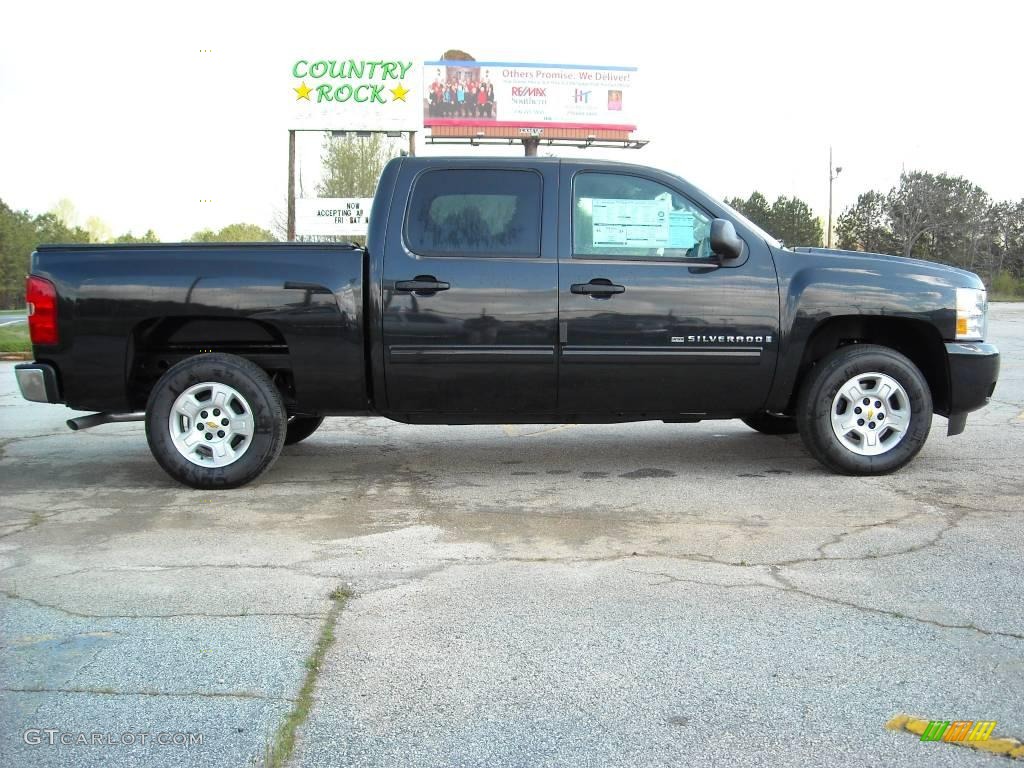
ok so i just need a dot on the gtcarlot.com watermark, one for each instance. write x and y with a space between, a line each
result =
52 737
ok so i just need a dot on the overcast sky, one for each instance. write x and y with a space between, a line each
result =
113 105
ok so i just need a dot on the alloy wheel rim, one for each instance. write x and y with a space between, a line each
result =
871 414
211 424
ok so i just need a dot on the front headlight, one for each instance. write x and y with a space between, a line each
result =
971 314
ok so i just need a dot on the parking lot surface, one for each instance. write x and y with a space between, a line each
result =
646 594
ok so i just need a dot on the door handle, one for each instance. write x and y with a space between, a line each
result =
599 288
422 285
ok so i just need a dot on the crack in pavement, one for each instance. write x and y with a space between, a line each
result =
35 520
80 615
783 585
178 694
787 586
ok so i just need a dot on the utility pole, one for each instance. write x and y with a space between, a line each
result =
833 174
291 186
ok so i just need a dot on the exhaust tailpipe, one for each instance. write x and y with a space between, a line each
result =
95 419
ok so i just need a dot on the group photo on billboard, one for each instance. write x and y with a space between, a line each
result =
522 95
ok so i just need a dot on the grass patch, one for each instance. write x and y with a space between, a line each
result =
278 751
1004 297
14 338
12 312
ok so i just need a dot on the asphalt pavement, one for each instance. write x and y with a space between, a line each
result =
645 594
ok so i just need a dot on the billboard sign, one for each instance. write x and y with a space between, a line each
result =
337 216
510 95
333 94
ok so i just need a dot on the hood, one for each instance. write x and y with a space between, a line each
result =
968 279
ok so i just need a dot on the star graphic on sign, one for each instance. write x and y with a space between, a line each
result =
398 92
303 91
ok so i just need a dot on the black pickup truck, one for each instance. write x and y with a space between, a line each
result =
501 291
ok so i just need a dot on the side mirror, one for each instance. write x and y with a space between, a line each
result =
725 243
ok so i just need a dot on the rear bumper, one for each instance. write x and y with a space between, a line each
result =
973 371
38 382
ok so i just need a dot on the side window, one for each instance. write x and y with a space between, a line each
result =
475 213
628 216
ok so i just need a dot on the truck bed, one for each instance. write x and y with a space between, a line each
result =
129 312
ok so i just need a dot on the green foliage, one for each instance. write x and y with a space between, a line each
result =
1006 286
234 233
20 233
941 218
14 338
755 208
352 165
128 237
793 222
864 226
789 219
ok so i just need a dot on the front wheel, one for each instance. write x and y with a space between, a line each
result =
864 410
215 421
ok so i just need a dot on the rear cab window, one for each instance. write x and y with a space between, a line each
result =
475 212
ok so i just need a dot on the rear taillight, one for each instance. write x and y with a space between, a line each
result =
41 301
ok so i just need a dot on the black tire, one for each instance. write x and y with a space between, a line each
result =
769 424
301 427
266 429
818 396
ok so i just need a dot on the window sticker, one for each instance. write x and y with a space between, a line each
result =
631 223
680 230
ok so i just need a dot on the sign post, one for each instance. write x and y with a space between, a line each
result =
291 186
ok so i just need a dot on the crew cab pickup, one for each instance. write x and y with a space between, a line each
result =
509 291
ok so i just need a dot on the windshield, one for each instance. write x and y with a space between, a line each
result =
751 225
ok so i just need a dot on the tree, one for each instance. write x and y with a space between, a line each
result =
128 237
793 222
65 212
789 219
20 233
865 226
99 231
234 233
754 208
352 165
942 218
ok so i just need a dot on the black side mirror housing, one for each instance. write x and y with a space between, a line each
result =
725 243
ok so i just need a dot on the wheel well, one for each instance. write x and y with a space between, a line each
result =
915 339
159 343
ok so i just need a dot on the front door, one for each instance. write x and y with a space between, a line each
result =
653 324
470 293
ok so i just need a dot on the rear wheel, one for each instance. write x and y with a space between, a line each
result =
215 421
864 410
768 424
301 427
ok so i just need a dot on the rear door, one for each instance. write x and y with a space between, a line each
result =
652 322
470 291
